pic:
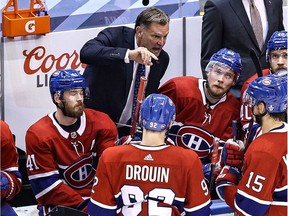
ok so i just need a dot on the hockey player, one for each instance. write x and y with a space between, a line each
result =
63 147
204 108
10 176
262 190
150 178
276 56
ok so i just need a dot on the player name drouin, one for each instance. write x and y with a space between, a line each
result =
147 173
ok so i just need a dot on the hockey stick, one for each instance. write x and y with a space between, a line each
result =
138 130
140 97
64 210
213 163
234 130
256 62
247 134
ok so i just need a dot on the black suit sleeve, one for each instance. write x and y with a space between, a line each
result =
106 48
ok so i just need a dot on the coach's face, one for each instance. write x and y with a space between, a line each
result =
153 37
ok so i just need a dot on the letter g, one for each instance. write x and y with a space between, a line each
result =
30 26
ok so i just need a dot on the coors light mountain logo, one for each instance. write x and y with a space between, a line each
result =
46 62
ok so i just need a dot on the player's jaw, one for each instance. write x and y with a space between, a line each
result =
74 111
217 90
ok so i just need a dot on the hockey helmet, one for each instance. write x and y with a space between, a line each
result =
62 80
282 73
227 58
277 41
270 89
156 112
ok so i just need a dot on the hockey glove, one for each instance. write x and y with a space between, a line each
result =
128 140
228 176
207 171
233 153
6 185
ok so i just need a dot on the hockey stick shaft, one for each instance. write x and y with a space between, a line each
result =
234 130
138 129
140 97
213 163
256 62
247 134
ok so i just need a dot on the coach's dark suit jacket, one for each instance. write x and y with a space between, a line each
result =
108 76
226 25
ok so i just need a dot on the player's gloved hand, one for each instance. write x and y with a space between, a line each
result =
5 185
128 140
228 176
233 153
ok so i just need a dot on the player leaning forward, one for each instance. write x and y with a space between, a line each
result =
63 147
150 178
262 190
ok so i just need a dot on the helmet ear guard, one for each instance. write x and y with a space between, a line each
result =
62 80
157 112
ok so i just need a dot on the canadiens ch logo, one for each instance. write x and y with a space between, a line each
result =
192 137
80 174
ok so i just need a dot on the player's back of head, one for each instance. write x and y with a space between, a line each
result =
270 89
157 112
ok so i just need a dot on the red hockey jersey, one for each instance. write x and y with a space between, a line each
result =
245 110
200 122
61 165
263 187
142 180
9 160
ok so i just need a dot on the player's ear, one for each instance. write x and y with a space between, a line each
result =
262 107
235 79
56 98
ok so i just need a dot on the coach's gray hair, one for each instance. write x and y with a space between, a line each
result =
152 15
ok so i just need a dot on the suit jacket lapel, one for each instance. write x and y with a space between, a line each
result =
240 11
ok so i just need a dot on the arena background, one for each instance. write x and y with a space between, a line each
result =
28 61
